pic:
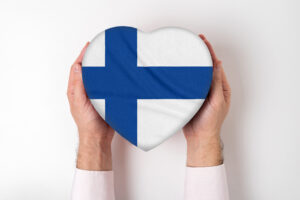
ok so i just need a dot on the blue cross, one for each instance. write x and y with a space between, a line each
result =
121 82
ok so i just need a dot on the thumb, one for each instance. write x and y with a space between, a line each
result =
76 92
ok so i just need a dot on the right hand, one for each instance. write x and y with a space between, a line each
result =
95 135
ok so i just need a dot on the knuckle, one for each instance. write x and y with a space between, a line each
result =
228 92
229 89
71 94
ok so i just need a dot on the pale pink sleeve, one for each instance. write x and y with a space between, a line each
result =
206 183
93 185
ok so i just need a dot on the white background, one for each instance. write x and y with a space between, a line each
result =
258 42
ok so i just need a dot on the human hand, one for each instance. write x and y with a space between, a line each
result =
203 131
95 135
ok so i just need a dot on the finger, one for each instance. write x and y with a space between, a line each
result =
76 89
210 48
216 87
75 86
202 36
226 86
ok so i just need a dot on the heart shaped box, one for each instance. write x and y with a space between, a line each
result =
147 86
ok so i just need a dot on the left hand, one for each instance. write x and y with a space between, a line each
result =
203 131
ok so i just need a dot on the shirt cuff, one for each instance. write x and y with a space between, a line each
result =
93 185
206 183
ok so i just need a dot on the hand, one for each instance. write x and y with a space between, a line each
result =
95 135
203 131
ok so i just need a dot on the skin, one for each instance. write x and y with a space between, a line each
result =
202 133
95 135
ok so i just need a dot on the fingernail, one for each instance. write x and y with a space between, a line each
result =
76 69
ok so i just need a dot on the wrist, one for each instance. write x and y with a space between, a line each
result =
94 154
205 151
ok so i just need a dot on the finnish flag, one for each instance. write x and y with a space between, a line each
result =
147 86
